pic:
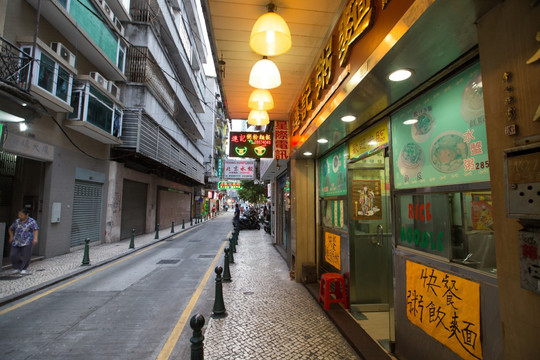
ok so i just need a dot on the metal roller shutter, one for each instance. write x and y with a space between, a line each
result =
86 221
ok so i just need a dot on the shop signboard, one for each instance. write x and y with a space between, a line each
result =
239 169
255 145
440 138
446 307
229 185
369 142
219 171
333 173
332 246
281 139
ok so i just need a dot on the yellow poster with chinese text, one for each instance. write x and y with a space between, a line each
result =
374 138
332 253
446 307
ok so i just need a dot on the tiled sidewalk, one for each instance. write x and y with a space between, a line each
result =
270 316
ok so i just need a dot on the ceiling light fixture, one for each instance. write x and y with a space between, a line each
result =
410 121
307 153
400 75
322 141
264 75
270 35
261 99
23 126
258 118
348 118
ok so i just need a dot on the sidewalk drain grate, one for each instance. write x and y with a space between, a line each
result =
168 262
206 256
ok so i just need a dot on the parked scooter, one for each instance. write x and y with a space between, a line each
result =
249 220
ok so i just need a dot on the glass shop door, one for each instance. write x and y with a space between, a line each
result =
371 270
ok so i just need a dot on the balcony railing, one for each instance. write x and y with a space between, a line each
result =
15 65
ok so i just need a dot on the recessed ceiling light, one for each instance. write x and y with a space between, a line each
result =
23 126
307 153
322 141
410 121
348 118
400 75
24 104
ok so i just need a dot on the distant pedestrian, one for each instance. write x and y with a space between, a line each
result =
236 217
214 211
23 233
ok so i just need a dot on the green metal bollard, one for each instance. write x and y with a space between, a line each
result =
226 270
183 227
172 228
132 242
232 245
86 256
197 346
218 310
231 256
190 221
157 232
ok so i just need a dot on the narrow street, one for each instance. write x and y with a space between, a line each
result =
125 310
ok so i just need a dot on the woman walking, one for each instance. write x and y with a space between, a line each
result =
23 233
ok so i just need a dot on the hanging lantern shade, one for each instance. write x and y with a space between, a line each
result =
258 118
261 99
264 75
270 35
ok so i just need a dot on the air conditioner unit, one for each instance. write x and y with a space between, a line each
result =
108 11
114 90
100 80
64 53
119 26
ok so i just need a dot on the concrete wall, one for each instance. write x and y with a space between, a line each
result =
507 40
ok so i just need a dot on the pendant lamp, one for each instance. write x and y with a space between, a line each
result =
264 75
261 99
270 35
258 118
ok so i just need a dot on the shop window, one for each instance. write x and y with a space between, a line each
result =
334 214
457 226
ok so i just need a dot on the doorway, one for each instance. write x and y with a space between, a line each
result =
370 231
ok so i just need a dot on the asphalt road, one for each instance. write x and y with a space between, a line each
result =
133 308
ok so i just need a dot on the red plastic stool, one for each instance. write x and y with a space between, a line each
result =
339 290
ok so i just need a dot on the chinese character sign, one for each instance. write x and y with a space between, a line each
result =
332 250
446 307
251 145
229 185
239 169
281 139
440 138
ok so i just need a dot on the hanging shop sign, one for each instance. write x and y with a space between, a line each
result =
446 307
281 139
333 173
440 139
369 142
219 170
239 169
332 247
251 145
229 185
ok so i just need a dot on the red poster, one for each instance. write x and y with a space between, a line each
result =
481 212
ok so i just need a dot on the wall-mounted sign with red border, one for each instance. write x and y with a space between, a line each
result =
253 145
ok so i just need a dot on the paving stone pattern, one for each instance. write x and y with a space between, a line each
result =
270 316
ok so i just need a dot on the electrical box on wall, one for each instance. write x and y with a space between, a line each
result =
522 177
56 212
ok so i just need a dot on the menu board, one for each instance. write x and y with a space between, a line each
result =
440 138
333 173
